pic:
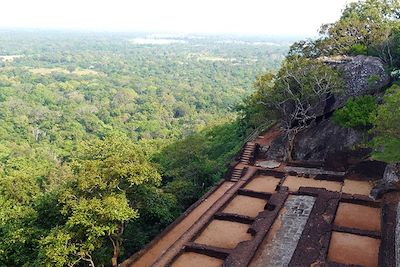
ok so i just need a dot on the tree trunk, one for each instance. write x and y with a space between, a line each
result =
290 144
116 252
89 259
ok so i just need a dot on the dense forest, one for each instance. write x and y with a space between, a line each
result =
106 138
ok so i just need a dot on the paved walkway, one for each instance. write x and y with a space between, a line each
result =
174 249
280 244
155 251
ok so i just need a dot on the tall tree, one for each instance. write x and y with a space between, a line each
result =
95 203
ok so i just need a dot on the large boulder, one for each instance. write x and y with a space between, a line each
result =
326 138
317 143
361 74
276 150
389 182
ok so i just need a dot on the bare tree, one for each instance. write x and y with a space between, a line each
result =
298 92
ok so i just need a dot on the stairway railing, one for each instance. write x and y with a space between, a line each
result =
256 132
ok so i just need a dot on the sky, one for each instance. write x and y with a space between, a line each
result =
266 17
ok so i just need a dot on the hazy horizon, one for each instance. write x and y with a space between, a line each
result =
288 18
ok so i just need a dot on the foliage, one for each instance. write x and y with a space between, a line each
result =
198 161
253 111
367 27
358 49
84 125
294 91
387 127
357 112
157 209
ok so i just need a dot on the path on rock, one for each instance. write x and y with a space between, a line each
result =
281 242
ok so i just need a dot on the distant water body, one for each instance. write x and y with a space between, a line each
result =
153 41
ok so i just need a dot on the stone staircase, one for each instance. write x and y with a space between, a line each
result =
236 175
247 152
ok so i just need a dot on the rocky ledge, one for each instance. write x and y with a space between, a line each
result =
362 75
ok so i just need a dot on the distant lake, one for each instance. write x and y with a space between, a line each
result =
157 41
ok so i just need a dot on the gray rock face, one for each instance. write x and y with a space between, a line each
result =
293 218
276 150
268 164
361 74
389 182
316 143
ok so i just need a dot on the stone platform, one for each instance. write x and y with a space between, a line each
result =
282 217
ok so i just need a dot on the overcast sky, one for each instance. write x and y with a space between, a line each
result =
278 17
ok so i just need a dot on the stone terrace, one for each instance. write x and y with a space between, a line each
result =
290 216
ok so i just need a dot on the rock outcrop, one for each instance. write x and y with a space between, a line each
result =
362 75
317 142
389 182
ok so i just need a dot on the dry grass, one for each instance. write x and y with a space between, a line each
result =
9 58
46 71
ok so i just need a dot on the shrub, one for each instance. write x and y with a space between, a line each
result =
386 142
358 49
356 113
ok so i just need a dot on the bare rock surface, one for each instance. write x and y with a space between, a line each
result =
285 234
389 182
269 164
361 74
316 143
325 138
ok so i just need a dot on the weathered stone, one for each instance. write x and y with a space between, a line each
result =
389 182
312 171
371 170
269 164
361 74
317 142
276 150
278 249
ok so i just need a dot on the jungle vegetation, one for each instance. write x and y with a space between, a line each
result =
104 140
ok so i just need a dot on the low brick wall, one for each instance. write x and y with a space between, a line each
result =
397 245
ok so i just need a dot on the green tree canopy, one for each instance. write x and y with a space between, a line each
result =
387 127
